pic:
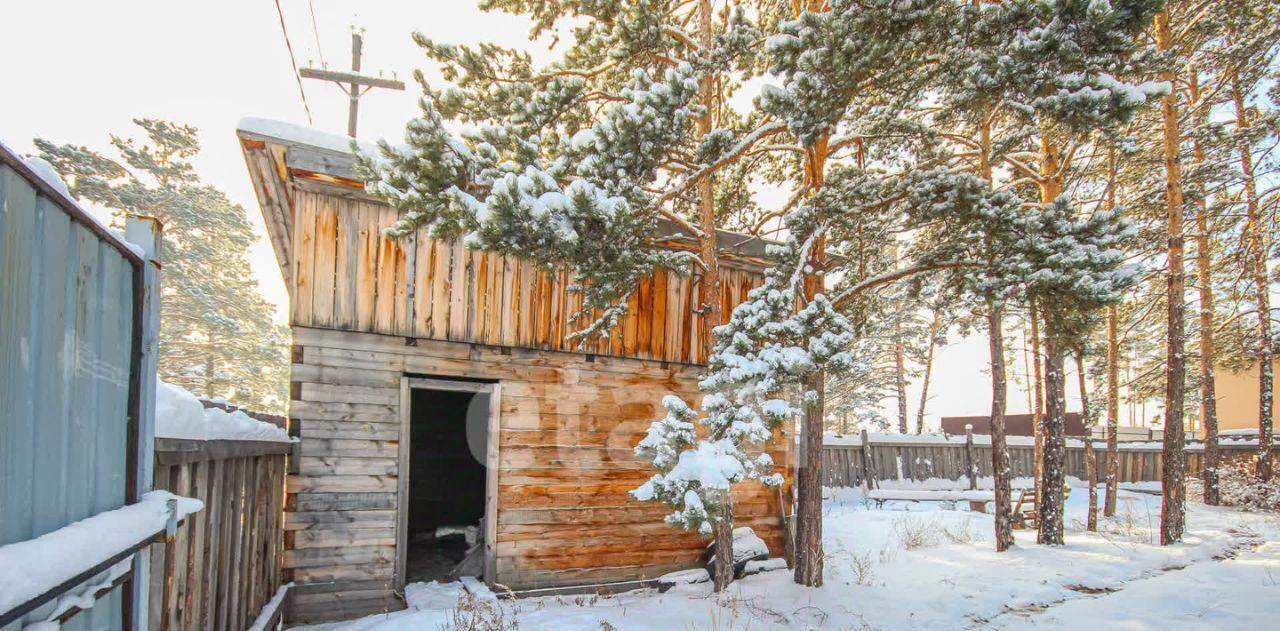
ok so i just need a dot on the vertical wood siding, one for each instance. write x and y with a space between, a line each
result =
347 275
227 557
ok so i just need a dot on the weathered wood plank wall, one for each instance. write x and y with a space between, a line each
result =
568 423
348 276
226 558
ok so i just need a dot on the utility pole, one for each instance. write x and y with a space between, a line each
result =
353 83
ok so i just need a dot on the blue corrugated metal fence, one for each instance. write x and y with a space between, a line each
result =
70 364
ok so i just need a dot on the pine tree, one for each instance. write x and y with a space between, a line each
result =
1057 64
837 60
1090 456
588 162
1113 412
1045 73
217 337
1199 49
1173 487
1250 53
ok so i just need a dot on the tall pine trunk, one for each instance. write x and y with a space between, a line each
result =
1113 410
1204 278
899 361
709 287
809 554
934 325
1000 467
1173 487
1049 497
900 377
1257 267
1113 367
1050 188
1037 391
1090 456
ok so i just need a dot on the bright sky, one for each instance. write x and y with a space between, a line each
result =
76 71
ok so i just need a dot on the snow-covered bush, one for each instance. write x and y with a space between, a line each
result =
478 614
917 532
1240 487
863 568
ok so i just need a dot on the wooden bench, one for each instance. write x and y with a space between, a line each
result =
978 500
1025 513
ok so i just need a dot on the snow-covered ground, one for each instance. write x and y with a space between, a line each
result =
914 566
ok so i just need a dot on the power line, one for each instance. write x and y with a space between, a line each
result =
294 62
316 32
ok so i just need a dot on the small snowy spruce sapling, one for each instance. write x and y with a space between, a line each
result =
763 358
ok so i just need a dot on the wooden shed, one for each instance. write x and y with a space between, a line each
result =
434 391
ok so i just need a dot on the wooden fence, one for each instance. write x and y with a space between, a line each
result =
900 458
224 564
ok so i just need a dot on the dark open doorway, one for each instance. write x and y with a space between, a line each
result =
448 443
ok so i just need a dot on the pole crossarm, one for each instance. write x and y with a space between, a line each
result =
350 78
352 81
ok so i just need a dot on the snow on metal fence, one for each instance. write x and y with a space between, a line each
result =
78 324
848 461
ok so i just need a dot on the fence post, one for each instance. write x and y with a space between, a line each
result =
868 471
970 463
170 537
146 233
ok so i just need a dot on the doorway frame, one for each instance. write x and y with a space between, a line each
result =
494 390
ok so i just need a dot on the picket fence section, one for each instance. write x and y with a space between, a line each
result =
223 566
900 458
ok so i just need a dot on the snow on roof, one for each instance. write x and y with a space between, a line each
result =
180 415
1248 431
31 568
300 135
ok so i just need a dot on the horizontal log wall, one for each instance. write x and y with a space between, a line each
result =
843 465
568 423
347 275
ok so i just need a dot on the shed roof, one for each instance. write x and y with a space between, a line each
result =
284 157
